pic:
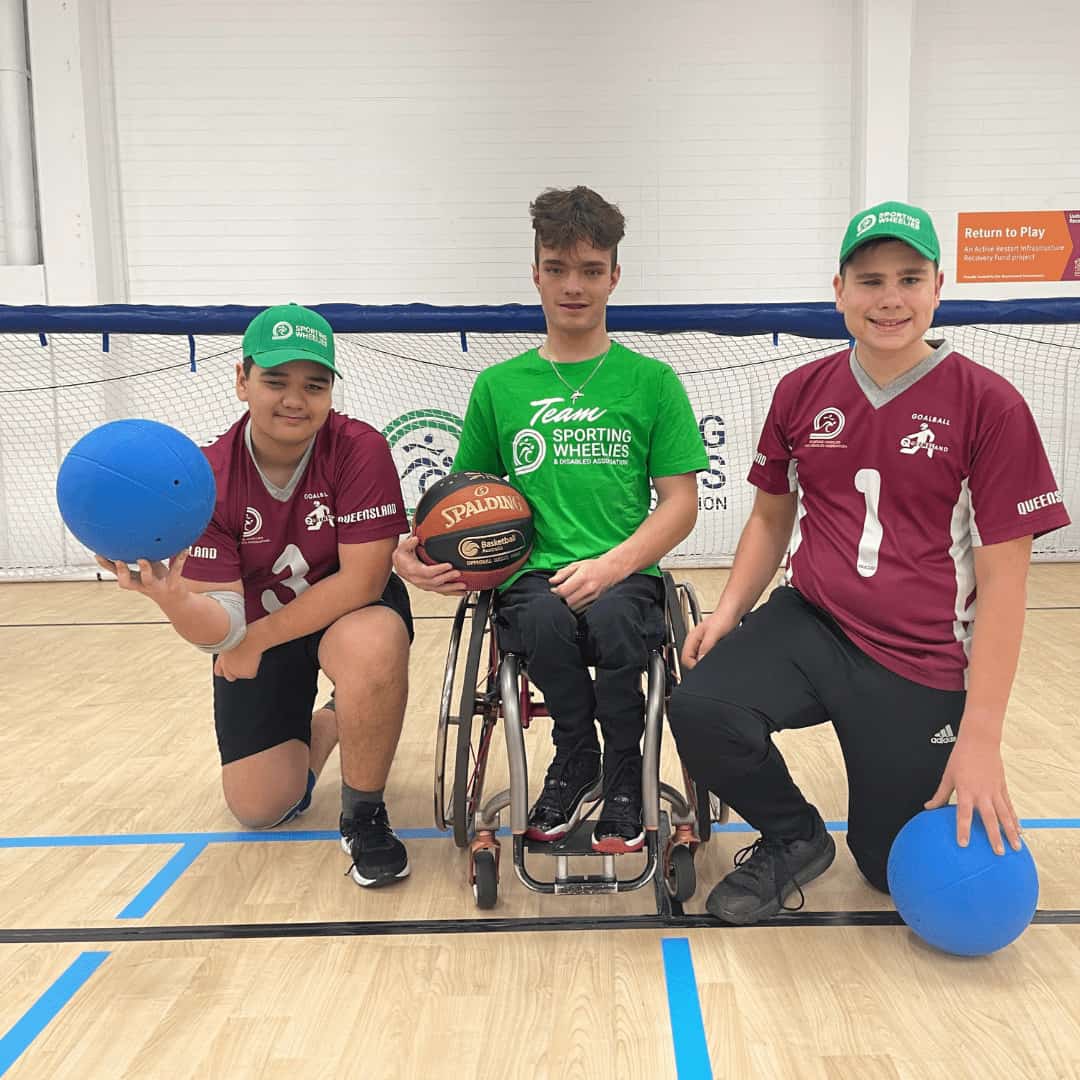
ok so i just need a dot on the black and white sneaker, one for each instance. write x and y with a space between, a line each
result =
572 777
620 828
378 856
767 873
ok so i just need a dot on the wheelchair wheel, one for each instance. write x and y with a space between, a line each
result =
680 874
684 611
691 604
486 879
443 800
478 699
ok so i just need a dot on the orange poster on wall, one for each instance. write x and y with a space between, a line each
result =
1039 245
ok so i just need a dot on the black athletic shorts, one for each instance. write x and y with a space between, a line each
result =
254 714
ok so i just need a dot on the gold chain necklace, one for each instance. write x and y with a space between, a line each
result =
579 391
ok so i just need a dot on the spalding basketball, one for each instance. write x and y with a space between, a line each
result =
478 523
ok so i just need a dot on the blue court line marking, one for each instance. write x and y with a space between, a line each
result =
257 836
684 1007
254 836
741 826
1050 823
841 826
192 846
163 880
34 1021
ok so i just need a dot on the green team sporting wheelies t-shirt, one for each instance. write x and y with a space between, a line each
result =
583 465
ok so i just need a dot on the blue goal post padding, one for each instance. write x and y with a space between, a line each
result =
817 320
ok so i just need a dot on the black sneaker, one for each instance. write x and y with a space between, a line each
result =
572 777
378 856
768 872
301 806
619 828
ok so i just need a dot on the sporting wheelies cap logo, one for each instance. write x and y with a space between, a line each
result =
288 332
893 221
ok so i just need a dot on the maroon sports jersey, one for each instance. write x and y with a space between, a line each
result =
895 487
279 544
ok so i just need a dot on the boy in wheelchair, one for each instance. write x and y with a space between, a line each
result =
581 426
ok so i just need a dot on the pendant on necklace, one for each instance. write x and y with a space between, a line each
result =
575 395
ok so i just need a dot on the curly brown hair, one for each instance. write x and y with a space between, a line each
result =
563 218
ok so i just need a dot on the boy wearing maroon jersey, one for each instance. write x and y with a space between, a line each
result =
292 576
903 479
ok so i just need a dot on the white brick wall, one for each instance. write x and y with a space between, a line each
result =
377 153
995 118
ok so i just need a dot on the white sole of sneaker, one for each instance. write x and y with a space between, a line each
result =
557 834
369 883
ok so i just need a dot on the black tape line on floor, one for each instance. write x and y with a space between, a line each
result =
428 927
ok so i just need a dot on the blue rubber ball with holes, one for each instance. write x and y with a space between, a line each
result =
966 901
135 489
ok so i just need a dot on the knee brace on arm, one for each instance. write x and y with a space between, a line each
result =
233 603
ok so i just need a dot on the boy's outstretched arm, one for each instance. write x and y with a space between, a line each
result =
975 770
762 544
198 619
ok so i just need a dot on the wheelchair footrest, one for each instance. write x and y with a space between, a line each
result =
578 841
585 885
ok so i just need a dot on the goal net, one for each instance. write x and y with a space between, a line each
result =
409 370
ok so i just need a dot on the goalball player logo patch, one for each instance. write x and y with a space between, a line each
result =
423 444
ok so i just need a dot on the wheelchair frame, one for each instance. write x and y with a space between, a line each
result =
495 685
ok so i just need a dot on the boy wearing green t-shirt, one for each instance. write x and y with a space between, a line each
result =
582 426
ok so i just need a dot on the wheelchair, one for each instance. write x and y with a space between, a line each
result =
494 685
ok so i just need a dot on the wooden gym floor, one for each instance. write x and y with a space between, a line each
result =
142 935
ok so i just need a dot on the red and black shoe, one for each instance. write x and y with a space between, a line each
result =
620 828
572 778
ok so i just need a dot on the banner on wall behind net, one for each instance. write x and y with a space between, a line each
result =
1035 245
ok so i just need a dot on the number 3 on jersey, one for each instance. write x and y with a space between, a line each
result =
868 481
290 559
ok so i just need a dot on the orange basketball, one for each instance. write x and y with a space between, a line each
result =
478 523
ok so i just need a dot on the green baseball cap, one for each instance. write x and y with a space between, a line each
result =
289 332
895 220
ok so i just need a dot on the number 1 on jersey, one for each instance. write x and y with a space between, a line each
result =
868 481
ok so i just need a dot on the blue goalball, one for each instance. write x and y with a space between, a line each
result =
966 901
135 489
